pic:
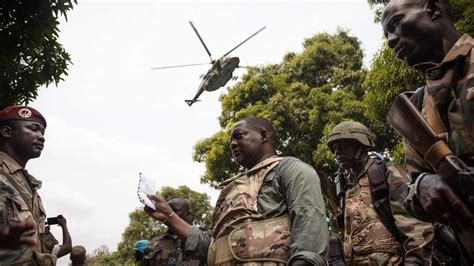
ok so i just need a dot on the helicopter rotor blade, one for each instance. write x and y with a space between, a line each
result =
245 41
177 66
202 41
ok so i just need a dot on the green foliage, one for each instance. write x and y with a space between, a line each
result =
211 151
304 97
387 78
30 55
463 13
142 226
201 209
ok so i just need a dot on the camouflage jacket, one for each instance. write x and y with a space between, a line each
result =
449 87
16 201
292 188
168 249
365 237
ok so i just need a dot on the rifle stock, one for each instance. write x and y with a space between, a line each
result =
407 120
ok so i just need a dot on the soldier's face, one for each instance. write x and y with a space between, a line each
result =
412 31
345 152
180 210
27 138
246 145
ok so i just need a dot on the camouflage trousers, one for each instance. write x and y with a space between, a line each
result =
375 259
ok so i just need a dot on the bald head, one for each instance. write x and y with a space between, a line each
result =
258 124
444 6
419 31
180 206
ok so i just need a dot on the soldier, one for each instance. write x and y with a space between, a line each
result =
422 34
78 256
257 209
377 229
12 235
21 139
168 249
139 250
50 243
336 251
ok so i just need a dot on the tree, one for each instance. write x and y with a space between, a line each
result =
304 97
462 12
142 226
30 55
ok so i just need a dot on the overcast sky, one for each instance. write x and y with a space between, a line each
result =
113 117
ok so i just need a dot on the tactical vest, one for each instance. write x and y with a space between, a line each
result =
168 250
370 230
241 234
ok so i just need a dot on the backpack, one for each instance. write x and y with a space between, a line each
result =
379 193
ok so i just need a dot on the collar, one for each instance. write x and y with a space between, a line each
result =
170 235
355 179
13 167
263 163
461 48
10 163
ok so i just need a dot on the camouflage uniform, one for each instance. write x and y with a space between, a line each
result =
168 249
336 252
272 214
49 242
367 241
444 82
20 202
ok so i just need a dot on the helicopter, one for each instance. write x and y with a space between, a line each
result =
221 71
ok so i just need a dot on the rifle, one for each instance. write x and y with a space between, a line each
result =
340 181
406 119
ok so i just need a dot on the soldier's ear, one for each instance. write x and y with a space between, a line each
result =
434 8
264 134
6 131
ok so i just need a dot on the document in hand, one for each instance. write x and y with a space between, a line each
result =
146 187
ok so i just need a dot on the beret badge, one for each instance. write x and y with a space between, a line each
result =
24 113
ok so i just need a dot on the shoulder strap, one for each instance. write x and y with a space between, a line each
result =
380 193
257 167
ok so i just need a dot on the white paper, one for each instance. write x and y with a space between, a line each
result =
146 187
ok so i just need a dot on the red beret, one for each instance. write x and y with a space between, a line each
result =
18 112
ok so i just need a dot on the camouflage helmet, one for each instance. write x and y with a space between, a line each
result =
351 130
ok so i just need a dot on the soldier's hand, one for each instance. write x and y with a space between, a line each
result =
11 235
440 200
163 209
62 221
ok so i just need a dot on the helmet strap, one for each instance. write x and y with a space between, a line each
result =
359 156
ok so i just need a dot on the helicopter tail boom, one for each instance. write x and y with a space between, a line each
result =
190 102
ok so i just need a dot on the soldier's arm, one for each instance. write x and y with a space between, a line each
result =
309 232
11 235
430 198
66 247
197 240
417 236
198 243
